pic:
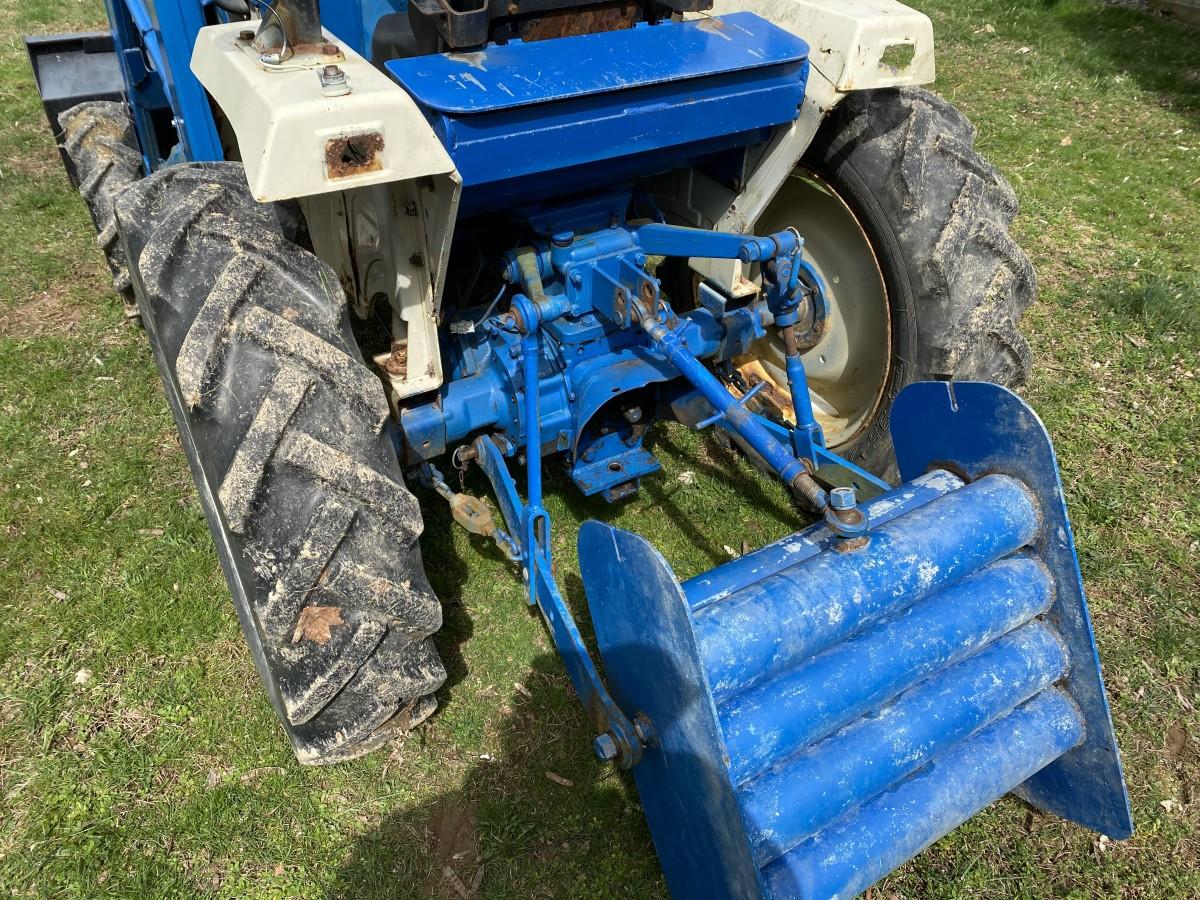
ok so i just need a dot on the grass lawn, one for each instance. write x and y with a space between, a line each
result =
138 754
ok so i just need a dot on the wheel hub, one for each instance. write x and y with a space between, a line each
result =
849 365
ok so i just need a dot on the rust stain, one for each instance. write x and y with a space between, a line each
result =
613 16
849 545
397 363
354 154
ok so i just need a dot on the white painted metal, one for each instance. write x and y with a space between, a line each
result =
386 231
852 42
388 244
284 121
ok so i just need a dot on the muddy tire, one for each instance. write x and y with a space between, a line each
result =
286 432
910 228
98 136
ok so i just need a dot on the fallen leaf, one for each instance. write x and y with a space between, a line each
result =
456 883
279 870
687 478
256 773
56 594
1023 50
153 532
558 779
522 690
83 676
315 622
1066 142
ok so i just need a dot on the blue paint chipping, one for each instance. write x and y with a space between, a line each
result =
841 704
608 106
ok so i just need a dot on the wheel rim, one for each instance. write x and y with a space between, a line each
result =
848 370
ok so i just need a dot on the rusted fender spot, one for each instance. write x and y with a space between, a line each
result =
354 154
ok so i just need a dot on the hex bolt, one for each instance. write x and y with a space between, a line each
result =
606 747
842 498
333 81
577 279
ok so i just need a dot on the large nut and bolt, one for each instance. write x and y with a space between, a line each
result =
843 498
333 81
606 747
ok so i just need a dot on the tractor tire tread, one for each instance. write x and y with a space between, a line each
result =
948 212
287 425
98 137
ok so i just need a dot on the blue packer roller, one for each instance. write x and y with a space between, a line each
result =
825 708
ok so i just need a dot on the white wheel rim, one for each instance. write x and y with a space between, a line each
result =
848 370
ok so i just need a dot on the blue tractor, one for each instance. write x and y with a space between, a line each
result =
378 241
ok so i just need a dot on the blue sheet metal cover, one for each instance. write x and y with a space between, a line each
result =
519 74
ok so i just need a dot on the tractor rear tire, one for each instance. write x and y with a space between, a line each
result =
286 431
98 137
936 217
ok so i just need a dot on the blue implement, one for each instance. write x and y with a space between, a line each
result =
828 707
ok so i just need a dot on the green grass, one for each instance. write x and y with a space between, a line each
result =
139 756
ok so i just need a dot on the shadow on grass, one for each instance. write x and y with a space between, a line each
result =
1162 305
525 822
1159 53
447 572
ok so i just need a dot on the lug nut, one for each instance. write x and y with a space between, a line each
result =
606 747
843 498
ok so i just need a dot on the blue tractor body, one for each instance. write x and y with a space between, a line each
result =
803 719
